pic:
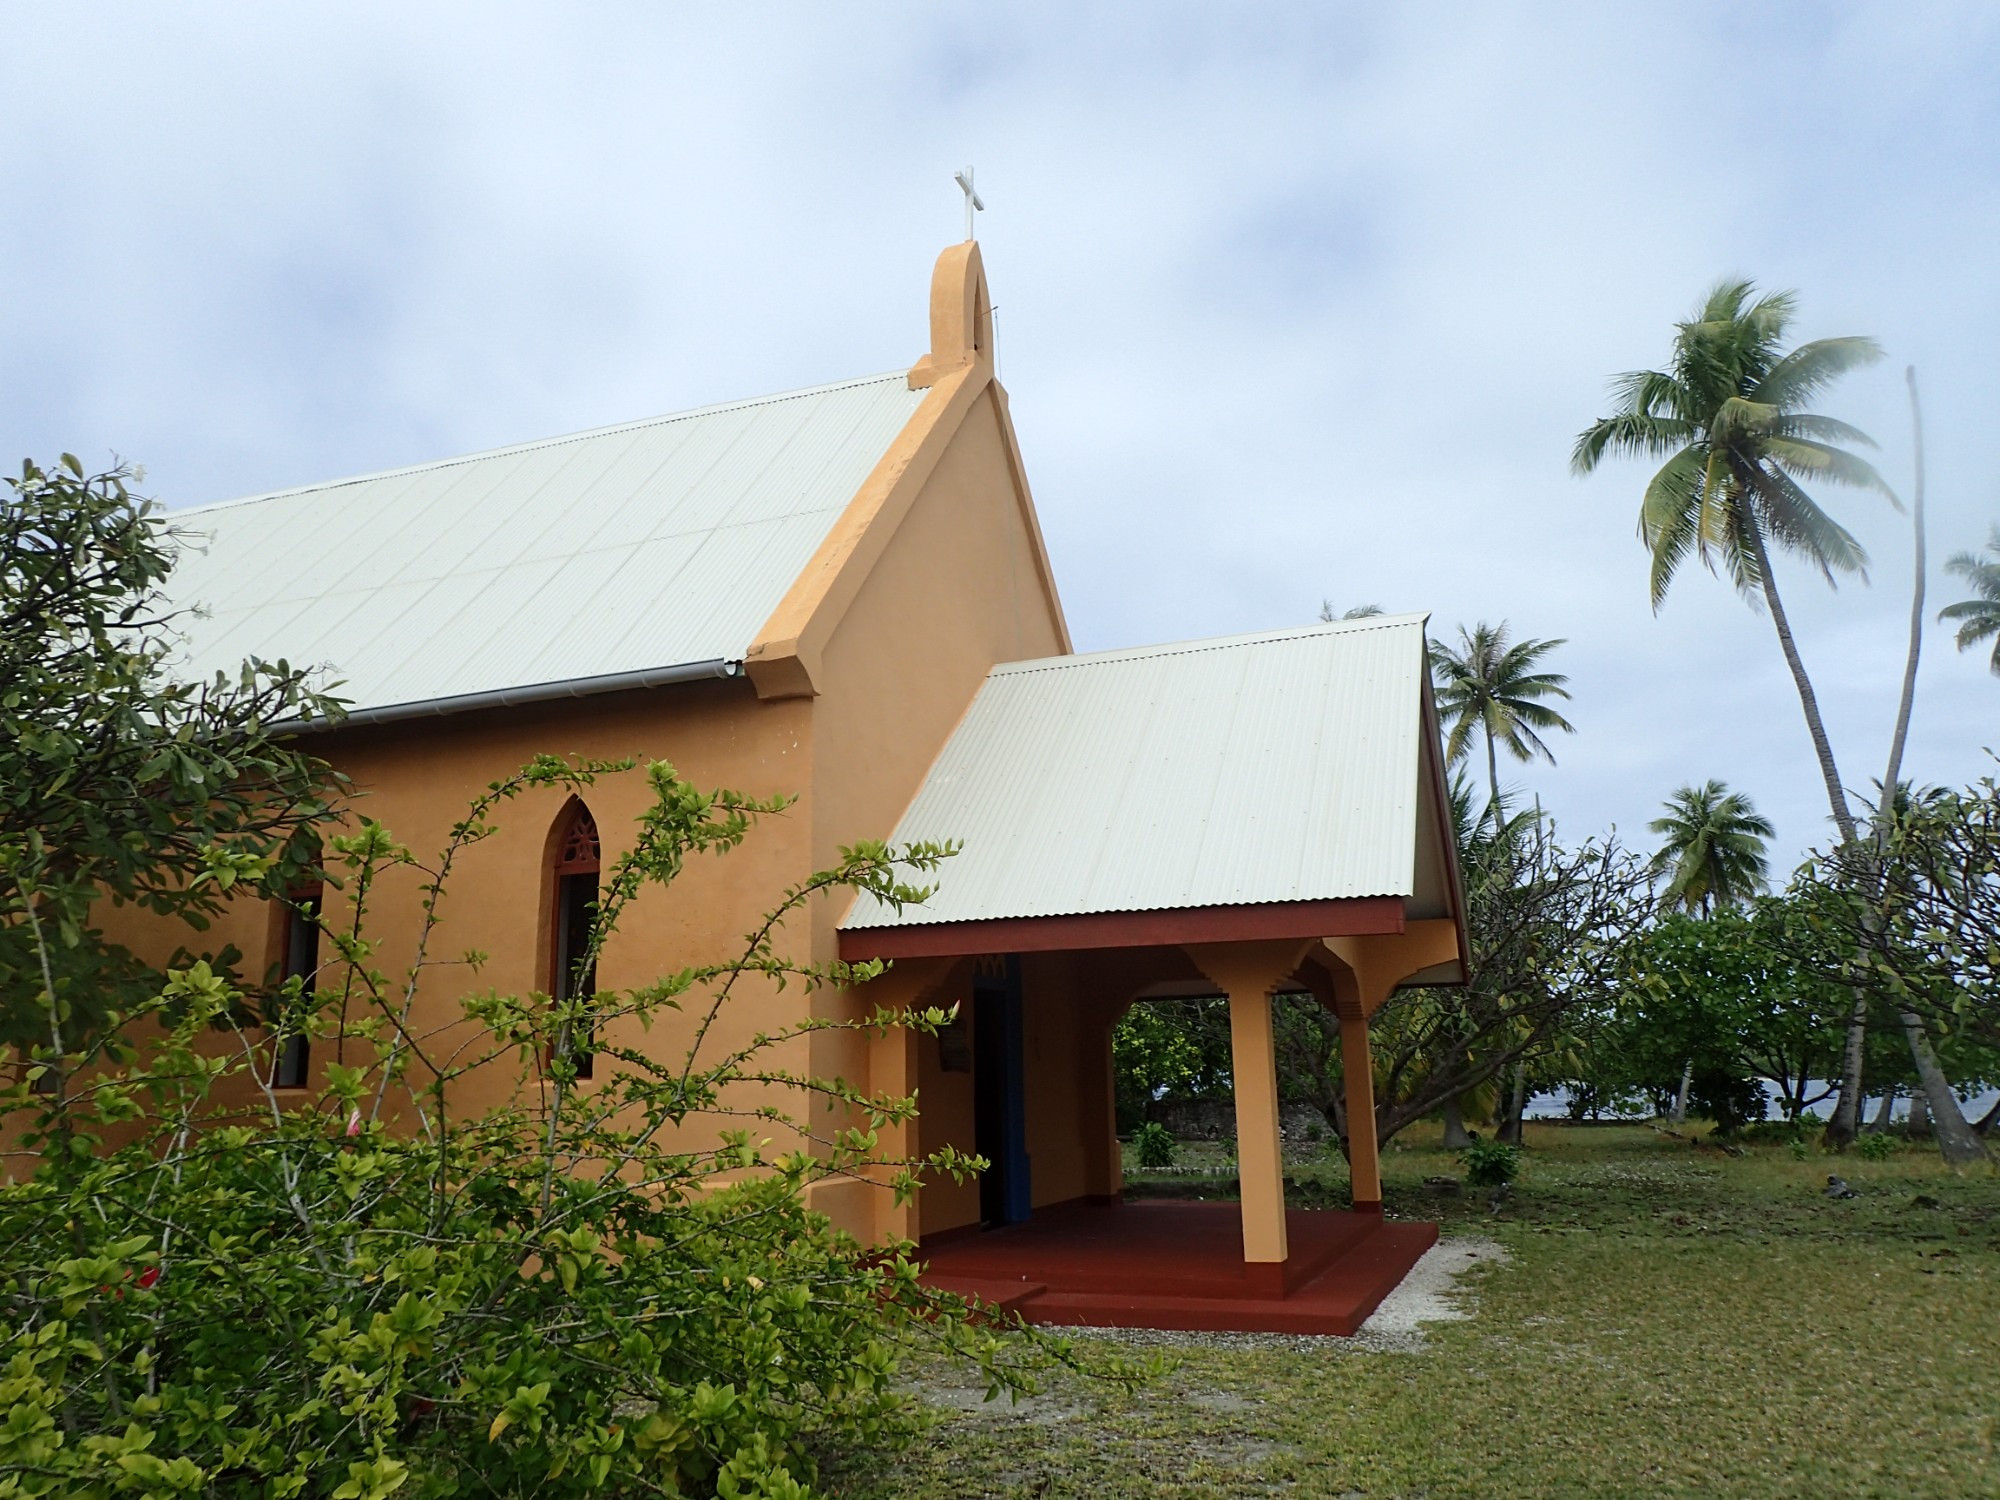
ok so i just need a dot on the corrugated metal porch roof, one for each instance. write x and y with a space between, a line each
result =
1261 768
626 549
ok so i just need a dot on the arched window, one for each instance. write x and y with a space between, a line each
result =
297 958
573 910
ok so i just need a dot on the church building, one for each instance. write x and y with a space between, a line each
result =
842 594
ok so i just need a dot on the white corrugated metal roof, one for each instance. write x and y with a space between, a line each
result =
643 546
1279 767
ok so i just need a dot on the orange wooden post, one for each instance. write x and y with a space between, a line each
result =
1260 1166
1364 1162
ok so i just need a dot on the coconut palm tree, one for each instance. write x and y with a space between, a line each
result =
1358 612
1714 849
1496 688
1979 616
1728 416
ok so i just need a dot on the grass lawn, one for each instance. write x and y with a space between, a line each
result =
1671 1320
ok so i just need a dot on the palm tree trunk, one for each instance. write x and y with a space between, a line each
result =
1836 794
1492 780
1958 1143
1844 1124
1903 705
1884 1114
1957 1140
1846 1119
1680 1114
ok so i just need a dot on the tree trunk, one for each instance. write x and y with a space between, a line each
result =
1510 1126
1886 1112
1680 1114
1455 1137
1836 795
1846 1119
1958 1143
1844 1124
1492 780
1919 1122
1903 705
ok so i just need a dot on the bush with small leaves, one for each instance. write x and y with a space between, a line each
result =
1491 1163
1877 1145
368 1293
1155 1146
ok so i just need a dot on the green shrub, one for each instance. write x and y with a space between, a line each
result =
1877 1145
1776 1132
1730 1101
1155 1145
1798 1150
1491 1163
367 1294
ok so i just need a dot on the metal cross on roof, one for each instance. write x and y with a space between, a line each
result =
972 199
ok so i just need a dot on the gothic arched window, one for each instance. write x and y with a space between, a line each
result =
573 911
298 958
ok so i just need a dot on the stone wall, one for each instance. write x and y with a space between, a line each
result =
1215 1120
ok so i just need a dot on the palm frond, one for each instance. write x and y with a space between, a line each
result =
1811 368
1541 716
1713 847
1629 435
1673 492
1793 522
1811 459
1652 393
1979 615
1715 521
1730 405
1806 424
1671 541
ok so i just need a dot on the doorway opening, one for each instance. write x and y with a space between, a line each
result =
999 1096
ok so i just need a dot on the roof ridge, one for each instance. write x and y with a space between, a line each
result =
1208 643
556 441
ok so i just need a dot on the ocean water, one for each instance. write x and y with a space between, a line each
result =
1554 1105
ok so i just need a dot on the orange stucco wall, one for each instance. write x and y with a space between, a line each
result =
959 584
417 778
955 591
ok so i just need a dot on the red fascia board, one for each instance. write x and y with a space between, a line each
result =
1352 916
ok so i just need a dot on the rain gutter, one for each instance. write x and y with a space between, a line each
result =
535 692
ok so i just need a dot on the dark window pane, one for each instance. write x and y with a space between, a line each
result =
301 963
576 902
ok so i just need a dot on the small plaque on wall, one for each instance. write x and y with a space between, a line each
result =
955 1044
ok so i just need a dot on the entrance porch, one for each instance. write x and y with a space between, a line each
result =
1023 1079
1235 819
1180 1266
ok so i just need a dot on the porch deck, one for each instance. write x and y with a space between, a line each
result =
1180 1266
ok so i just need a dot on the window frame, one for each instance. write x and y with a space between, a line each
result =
575 868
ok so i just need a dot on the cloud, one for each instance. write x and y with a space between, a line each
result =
1295 302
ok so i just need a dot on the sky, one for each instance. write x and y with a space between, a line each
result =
1295 303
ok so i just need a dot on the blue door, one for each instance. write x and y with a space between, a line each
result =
999 1096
